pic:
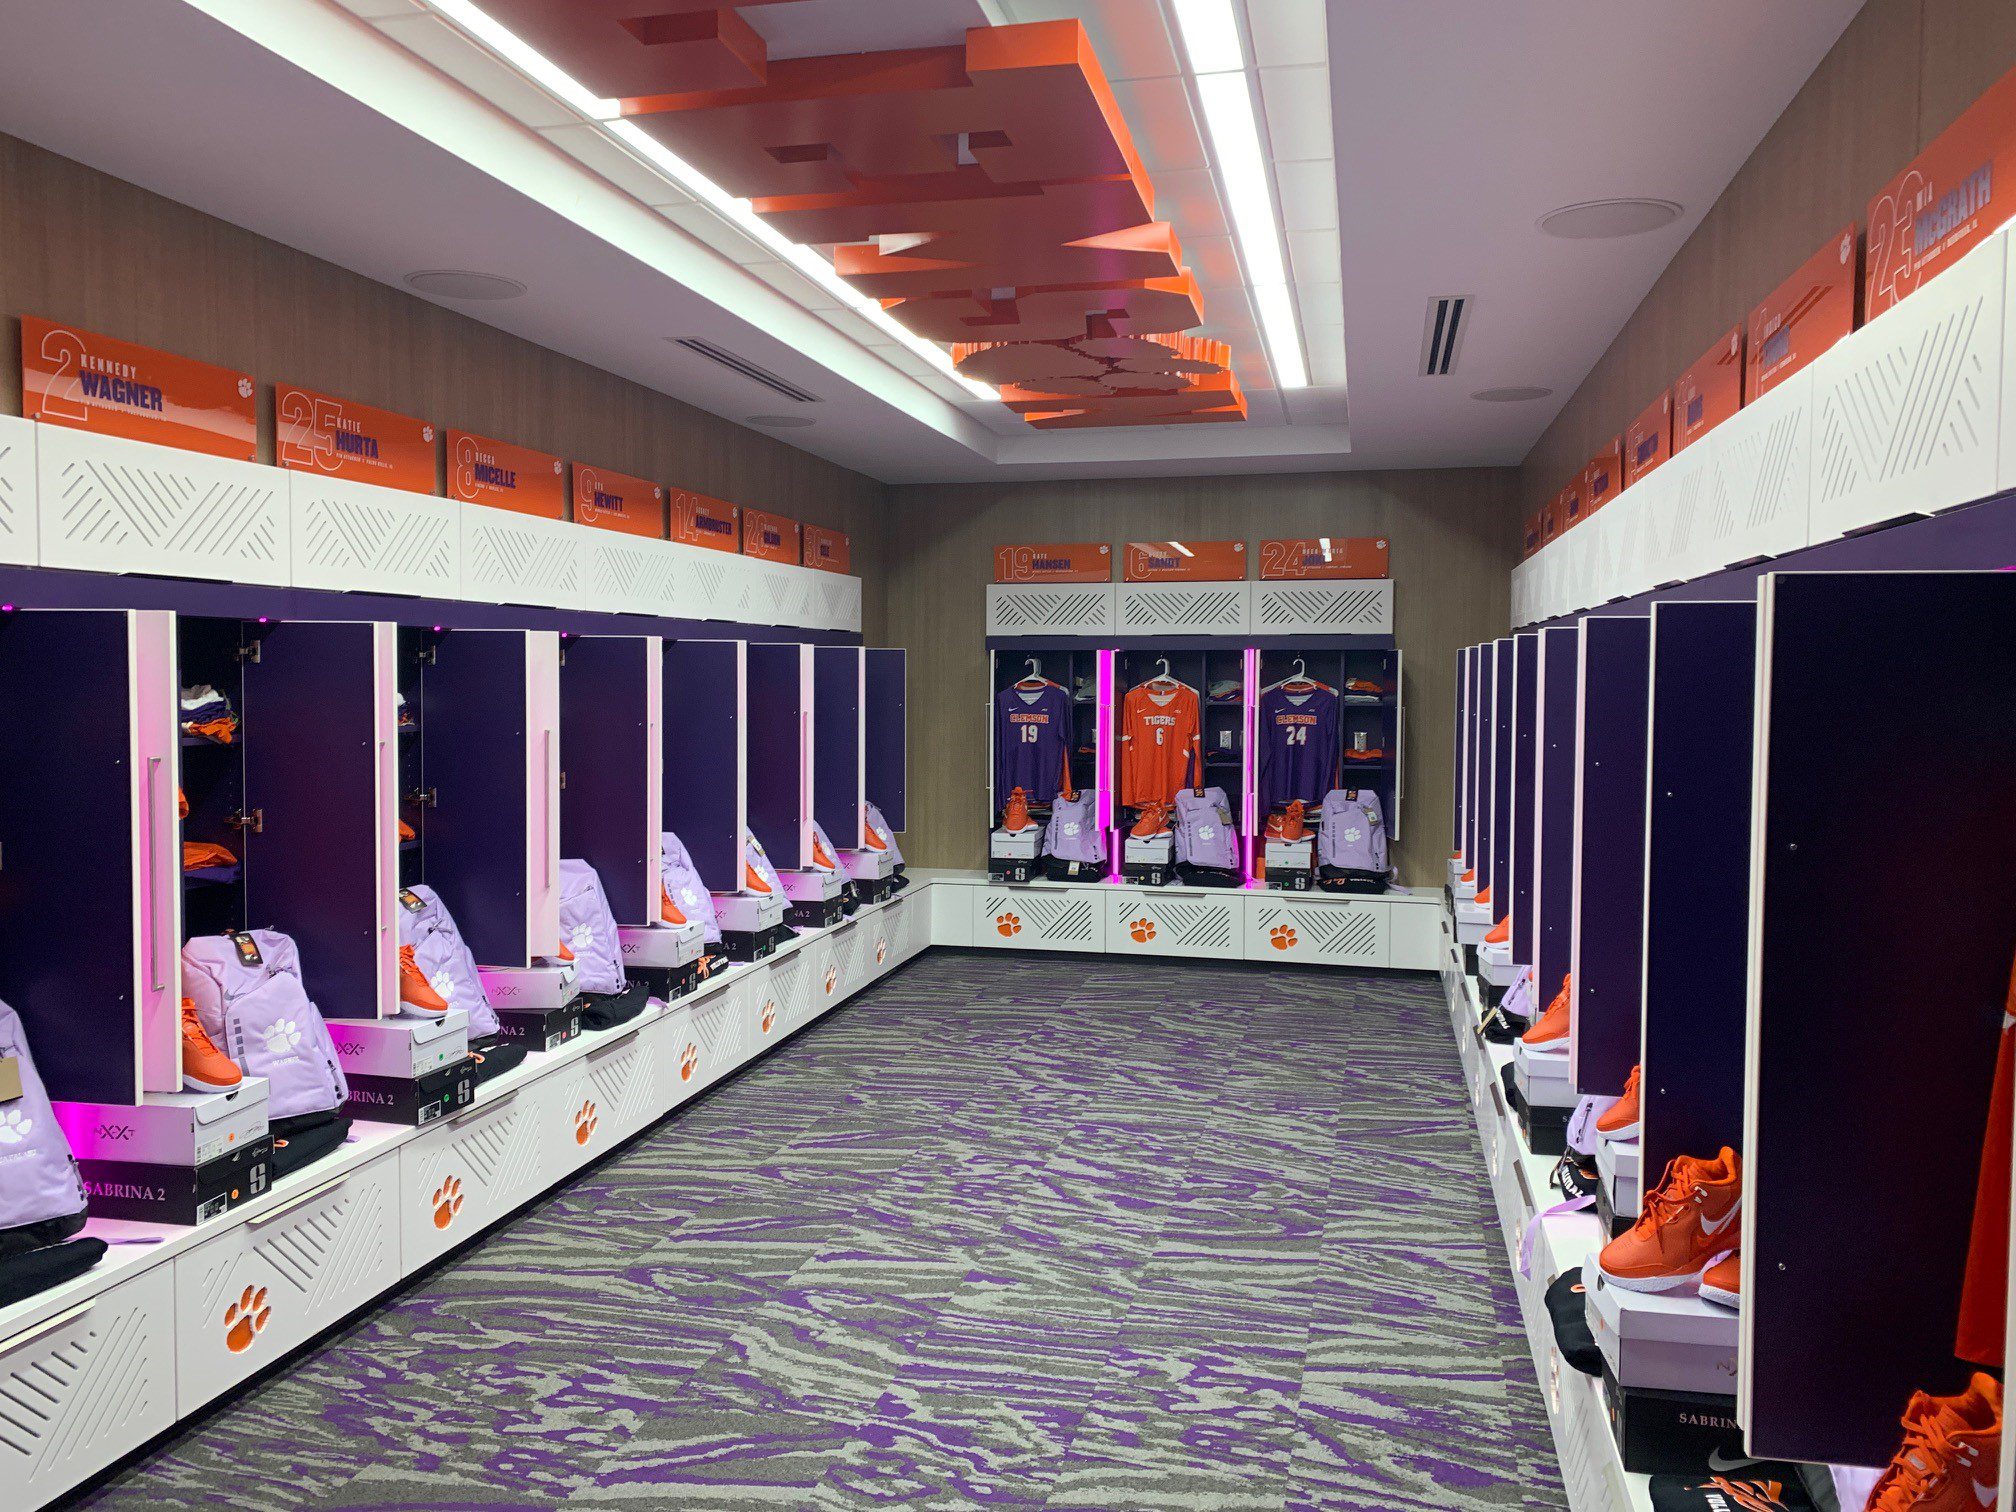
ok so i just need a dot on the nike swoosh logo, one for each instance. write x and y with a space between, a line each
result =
1724 1222
1722 1463
1985 1494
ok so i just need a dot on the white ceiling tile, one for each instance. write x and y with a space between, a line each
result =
1287 32
1327 371
1298 112
477 70
592 146
379 10
1323 347
1213 260
1263 407
1322 302
702 223
904 360
1189 202
1158 114
1308 194
788 281
1316 406
1315 256
853 326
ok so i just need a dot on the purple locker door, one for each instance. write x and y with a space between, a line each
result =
1882 924
316 733
1458 833
836 742
1525 766
779 754
475 724
75 851
1500 875
1554 892
1610 852
704 753
1480 764
610 686
886 729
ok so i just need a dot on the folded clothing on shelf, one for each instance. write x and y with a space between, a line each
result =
207 714
202 856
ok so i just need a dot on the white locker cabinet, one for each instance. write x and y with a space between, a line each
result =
1051 609
1155 922
1018 918
262 1288
793 982
631 574
85 1385
759 1014
512 558
821 981
1345 606
623 1083
721 1032
458 1178
853 962
1323 931
952 910
1184 608
355 537
18 495
1414 940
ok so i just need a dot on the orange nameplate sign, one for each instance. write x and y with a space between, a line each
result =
1709 392
1649 441
1052 562
1955 194
1568 508
696 520
1603 477
97 383
828 550
482 471
1184 561
1532 541
1550 519
615 501
1327 557
771 537
323 434
1802 317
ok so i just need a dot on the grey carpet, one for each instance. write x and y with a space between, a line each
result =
1004 1232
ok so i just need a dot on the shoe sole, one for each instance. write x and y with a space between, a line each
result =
414 1010
1622 1134
1731 1300
192 1083
1662 1283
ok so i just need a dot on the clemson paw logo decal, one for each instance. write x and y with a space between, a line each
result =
14 1126
1009 924
881 951
1282 936
283 1037
1143 930
244 388
447 1201
585 1122
689 1062
832 979
246 1319
769 1018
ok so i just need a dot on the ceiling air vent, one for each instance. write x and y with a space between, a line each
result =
746 369
1442 334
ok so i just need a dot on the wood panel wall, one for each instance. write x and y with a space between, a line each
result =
84 247
1900 74
1452 556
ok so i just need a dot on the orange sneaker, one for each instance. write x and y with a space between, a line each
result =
1500 932
1292 827
1723 1284
1686 1228
1015 815
1620 1120
752 881
1154 821
1947 1462
561 952
668 911
1468 876
869 839
416 993
822 858
1550 1030
205 1068
1483 897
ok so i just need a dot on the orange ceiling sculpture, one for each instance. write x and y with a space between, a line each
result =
989 193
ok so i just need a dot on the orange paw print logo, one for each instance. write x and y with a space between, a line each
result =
881 951
1009 924
1283 936
246 1319
769 1018
832 979
1143 930
447 1201
689 1062
585 1122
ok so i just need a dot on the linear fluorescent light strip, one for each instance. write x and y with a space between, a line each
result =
535 65
1225 91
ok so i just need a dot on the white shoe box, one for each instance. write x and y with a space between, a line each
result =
662 947
1617 1164
540 987
1662 1341
168 1128
750 913
1466 892
1156 850
1456 870
1014 845
867 865
1542 1077
812 885
406 1048
1291 855
1494 964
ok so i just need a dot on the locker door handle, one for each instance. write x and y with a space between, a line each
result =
551 797
154 888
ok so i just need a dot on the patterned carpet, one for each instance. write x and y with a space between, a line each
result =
1003 1233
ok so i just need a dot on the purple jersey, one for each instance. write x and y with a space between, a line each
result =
1298 746
1032 734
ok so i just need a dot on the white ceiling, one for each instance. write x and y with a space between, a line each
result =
1454 126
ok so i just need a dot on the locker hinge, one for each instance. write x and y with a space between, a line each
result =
249 651
249 819
423 798
426 656
563 779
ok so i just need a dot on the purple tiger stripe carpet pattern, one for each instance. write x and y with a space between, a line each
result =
1003 1232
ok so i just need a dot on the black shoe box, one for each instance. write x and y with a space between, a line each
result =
1470 961
416 1099
822 914
1147 876
1670 1432
1010 871
1614 1223
539 1028
1493 995
874 889
753 945
668 983
1292 881
178 1194
1546 1129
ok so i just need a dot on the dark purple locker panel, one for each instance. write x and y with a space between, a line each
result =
703 756
836 741
605 765
311 870
1697 877
1885 921
67 841
777 730
1500 876
1460 764
886 728
1525 765
1480 764
473 723
1610 852
1560 680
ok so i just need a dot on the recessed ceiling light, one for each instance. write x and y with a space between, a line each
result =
1598 220
1510 395
459 283
781 422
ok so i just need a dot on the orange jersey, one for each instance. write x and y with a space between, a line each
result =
1159 735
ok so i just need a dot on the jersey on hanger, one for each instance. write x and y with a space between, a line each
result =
1159 734
1298 745
1032 733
